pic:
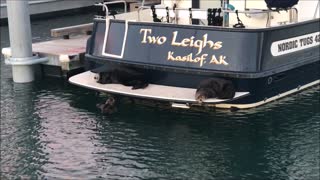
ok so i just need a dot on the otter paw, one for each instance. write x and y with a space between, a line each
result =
139 86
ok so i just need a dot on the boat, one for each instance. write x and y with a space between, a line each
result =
267 50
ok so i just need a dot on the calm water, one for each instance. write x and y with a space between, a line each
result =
52 130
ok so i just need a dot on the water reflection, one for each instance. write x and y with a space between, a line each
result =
20 143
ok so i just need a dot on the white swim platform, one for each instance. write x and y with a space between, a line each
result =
153 91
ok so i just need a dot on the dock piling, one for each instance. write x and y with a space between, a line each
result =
22 59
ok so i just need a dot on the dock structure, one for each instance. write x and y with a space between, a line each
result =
39 7
62 56
23 55
22 59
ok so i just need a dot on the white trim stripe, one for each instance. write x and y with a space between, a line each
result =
247 106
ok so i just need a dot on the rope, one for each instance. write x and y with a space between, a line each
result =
213 17
239 24
167 8
209 17
113 13
190 15
219 19
174 10
154 15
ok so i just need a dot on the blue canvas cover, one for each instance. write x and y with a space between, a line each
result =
281 4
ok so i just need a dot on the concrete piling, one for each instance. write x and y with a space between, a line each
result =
20 41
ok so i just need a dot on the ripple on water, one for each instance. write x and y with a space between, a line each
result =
55 134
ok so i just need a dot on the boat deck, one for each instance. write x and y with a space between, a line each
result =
153 91
62 46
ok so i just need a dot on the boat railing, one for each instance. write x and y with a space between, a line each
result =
105 8
202 13
293 17
317 9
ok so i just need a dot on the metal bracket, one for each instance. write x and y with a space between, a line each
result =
180 105
106 9
26 61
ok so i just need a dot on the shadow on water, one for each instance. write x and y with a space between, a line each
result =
52 129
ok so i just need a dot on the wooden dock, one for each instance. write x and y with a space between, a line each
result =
64 55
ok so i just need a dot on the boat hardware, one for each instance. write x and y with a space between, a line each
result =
154 15
26 61
106 9
239 24
203 13
180 105
175 13
190 15
167 9
209 17
317 9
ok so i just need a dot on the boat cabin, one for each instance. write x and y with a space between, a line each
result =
253 13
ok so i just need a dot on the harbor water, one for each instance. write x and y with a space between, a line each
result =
52 130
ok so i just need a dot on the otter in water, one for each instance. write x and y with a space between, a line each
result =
109 107
215 88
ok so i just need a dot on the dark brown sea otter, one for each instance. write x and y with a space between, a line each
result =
109 107
124 76
215 88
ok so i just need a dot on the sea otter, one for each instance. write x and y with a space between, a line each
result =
215 88
108 107
123 75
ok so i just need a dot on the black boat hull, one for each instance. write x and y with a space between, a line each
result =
268 63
